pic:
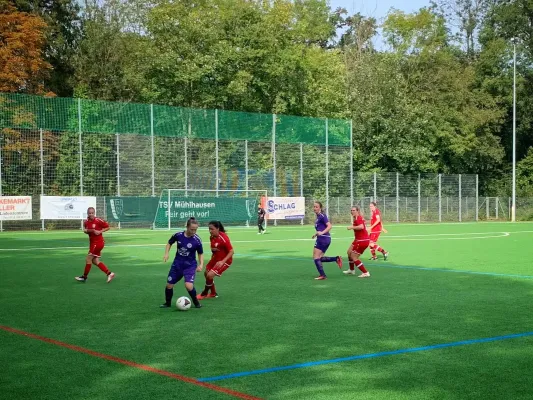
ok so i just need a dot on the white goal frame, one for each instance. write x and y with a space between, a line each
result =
215 193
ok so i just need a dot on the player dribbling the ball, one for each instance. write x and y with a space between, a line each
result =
184 265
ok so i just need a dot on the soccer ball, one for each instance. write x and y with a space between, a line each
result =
183 303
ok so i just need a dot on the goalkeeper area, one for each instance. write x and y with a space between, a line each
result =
446 317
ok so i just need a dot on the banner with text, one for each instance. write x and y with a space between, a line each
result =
285 207
63 207
15 208
229 210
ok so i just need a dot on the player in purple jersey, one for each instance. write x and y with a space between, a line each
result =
184 265
323 240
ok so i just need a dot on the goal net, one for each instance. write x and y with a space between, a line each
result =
231 207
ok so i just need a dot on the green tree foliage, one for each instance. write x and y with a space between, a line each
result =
418 107
436 97
63 34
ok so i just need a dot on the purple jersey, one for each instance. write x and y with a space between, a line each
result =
321 223
187 249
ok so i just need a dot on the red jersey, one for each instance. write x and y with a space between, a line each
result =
96 224
361 235
221 246
373 219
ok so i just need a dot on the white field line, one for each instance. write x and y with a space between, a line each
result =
429 237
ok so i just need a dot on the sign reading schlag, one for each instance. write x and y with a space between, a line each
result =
285 207
15 208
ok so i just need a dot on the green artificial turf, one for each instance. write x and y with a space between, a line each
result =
442 284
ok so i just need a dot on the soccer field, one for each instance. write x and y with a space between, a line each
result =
448 316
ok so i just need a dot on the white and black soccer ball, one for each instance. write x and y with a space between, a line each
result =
183 303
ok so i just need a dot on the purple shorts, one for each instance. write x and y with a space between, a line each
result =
322 243
181 271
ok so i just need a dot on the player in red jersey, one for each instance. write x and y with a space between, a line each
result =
94 227
220 260
376 227
359 245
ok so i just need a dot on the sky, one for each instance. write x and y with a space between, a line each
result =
378 8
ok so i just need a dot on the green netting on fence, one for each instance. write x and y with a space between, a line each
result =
20 111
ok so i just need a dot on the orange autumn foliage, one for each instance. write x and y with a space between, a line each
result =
22 39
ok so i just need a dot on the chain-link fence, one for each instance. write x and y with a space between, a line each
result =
74 147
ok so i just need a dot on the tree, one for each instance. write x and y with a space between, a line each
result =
467 16
22 65
62 33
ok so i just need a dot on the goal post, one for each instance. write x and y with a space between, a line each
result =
231 207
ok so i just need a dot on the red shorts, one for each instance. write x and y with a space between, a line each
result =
95 249
217 270
359 247
374 236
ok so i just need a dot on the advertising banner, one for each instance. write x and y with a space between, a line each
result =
15 208
285 207
64 207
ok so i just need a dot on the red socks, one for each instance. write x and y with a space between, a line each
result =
87 270
103 268
359 264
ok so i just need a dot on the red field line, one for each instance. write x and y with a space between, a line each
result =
133 364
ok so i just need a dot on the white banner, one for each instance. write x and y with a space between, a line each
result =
285 207
15 208
60 207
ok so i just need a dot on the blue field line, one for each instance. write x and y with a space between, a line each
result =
365 356
370 265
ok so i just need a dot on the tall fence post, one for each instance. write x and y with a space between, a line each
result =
375 187
118 169
419 198
1 145
41 154
460 200
440 197
273 151
301 175
477 197
153 147
80 143
397 197
186 159
245 166
185 166
351 163
216 157
327 169
80 148
118 164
